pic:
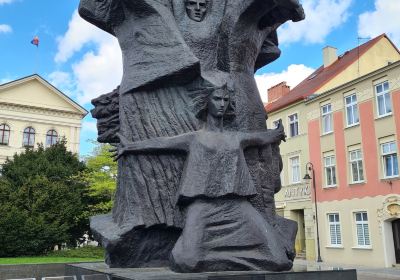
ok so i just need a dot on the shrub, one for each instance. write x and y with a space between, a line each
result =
42 201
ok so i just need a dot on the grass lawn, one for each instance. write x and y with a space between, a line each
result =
84 254
45 259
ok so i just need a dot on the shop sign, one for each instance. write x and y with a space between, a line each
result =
298 192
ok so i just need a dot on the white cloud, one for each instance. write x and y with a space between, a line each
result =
98 73
60 79
2 2
98 70
4 28
322 16
64 82
89 126
79 33
294 74
384 19
5 80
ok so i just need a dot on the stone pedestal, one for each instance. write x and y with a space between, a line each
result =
298 273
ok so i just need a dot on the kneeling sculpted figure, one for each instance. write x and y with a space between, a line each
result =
222 230
169 48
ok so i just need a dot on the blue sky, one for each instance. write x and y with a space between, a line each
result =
84 62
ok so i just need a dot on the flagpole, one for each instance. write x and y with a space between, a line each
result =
35 42
36 61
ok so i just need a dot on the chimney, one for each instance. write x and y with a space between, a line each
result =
277 91
329 55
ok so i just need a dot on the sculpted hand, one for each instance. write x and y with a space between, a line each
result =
120 150
117 153
279 133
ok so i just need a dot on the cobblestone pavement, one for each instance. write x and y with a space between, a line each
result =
378 274
374 277
363 272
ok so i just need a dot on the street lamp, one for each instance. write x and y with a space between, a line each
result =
307 178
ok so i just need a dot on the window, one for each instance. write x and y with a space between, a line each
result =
4 134
389 158
293 125
351 110
383 99
330 171
356 166
362 229
51 138
29 137
335 236
295 169
327 118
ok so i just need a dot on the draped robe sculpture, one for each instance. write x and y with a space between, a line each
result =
171 48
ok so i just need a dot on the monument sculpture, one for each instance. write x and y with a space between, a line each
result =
198 169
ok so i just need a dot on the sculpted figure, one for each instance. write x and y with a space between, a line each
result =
214 190
169 47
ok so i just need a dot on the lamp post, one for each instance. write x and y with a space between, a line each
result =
307 178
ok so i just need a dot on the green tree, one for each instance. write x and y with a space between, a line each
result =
43 201
101 177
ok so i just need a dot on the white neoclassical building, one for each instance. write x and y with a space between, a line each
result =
34 111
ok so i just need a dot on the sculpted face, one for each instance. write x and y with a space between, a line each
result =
218 103
196 9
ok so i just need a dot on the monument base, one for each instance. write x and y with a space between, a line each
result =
100 271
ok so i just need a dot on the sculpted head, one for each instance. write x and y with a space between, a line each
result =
213 102
218 103
196 9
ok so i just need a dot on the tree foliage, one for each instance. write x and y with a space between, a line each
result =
43 201
101 176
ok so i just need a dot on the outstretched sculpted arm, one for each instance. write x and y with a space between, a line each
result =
251 139
153 145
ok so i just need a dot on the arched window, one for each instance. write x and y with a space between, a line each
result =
51 137
4 134
29 137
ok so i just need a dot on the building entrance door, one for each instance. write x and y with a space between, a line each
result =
396 238
298 216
